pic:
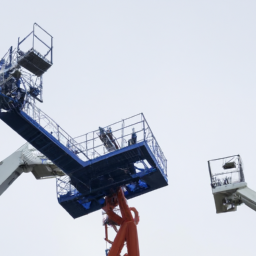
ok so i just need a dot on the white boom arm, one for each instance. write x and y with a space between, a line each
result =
26 159
248 197
228 197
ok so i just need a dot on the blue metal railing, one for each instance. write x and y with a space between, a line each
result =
55 130
90 146
64 188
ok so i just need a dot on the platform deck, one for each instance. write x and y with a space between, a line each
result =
34 62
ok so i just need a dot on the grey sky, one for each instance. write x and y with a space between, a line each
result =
189 66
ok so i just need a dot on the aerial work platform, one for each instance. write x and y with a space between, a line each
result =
124 154
33 60
228 184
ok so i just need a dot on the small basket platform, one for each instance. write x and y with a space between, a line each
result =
34 62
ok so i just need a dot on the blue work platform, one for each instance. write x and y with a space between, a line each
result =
87 182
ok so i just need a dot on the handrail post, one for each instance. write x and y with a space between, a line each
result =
242 179
58 132
166 167
18 48
33 36
33 112
93 146
86 144
69 185
144 130
122 144
210 171
51 49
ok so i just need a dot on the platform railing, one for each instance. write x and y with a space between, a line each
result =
55 130
65 188
90 146
226 170
122 132
36 38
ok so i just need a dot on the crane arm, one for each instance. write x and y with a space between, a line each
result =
26 160
248 197
9 171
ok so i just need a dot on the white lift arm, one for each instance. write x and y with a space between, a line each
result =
228 197
26 159
248 197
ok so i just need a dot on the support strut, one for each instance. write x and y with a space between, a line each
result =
128 229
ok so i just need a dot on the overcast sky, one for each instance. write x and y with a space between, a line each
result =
189 66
